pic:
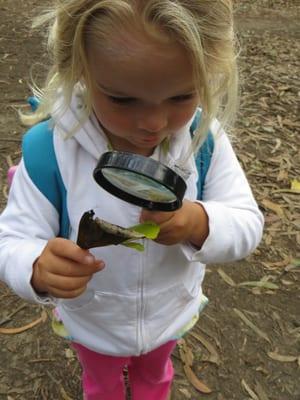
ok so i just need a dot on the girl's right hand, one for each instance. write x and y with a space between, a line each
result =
63 269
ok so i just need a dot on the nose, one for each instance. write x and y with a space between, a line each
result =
153 119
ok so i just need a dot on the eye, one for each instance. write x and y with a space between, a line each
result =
121 100
183 97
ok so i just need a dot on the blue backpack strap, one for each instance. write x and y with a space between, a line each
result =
203 157
41 165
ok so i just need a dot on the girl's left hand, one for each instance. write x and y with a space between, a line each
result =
189 223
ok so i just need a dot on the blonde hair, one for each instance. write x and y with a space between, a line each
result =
203 27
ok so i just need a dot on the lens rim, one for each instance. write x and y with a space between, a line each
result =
145 166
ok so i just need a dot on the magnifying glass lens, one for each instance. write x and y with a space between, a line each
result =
138 185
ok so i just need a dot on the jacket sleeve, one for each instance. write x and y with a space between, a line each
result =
235 221
26 224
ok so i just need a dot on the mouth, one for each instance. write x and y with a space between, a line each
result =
151 138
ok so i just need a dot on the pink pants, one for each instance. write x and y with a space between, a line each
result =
150 375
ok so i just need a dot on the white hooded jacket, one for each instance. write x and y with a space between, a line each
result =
140 300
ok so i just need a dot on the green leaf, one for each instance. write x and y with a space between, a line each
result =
149 229
296 262
134 245
295 185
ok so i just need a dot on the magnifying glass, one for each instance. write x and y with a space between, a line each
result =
140 180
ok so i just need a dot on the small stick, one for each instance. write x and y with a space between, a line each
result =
8 317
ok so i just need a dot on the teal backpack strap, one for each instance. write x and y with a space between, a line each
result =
203 157
41 165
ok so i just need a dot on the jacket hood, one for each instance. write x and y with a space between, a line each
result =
72 123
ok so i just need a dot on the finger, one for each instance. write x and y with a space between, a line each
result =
167 240
68 268
70 250
65 294
159 217
169 235
66 283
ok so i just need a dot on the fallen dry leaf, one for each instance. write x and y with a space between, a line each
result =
12 331
251 325
64 394
214 356
226 277
185 392
283 263
274 207
251 393
282 358
185 352
192 378
263 283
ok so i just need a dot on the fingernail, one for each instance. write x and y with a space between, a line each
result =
89 259
100 264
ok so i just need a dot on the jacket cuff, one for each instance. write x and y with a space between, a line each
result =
217 246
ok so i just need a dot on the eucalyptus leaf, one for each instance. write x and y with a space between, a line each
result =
149 229
262 284
296 262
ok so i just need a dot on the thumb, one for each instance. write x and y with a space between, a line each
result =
145 215
158 217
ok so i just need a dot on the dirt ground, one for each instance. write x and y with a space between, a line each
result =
246 344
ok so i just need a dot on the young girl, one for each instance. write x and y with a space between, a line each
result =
129 75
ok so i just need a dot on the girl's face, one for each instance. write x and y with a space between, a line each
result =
143 91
